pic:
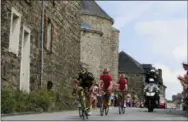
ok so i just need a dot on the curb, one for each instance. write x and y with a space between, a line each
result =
28 113
21 113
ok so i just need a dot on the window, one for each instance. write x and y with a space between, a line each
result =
28 2
49 85
14 31
53 3
48 34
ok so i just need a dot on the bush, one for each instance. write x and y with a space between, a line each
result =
8 104
15 101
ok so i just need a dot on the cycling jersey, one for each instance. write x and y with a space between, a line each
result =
122 83
106 78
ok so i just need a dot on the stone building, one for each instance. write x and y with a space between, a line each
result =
21 37
99 40
135 73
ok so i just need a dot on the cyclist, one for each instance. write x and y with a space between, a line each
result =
105 83
122 85
85 80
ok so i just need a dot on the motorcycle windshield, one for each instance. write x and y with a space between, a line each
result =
151 89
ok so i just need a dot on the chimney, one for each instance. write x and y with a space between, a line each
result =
160 73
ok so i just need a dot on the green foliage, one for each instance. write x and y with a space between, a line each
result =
7 103
16 101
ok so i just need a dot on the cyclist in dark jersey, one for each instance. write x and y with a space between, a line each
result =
85 80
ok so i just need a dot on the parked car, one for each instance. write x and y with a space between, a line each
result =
163 103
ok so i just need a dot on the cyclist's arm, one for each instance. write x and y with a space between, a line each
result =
100 81
111 85
117 84
100 84
90 75
126 87
76 81
146 87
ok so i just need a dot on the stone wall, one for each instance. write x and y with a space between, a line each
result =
115 52
91 51
136 84
62 63
109 45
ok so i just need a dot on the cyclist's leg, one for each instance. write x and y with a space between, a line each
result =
109 98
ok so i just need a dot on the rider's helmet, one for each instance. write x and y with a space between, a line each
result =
83 70
105 71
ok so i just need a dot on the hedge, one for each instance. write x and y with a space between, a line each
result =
15 101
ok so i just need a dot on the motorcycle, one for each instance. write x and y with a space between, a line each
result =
150 101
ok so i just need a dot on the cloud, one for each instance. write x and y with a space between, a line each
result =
136 11
166 37
170 79
181 53
125 12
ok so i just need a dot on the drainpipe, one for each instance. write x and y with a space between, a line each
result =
42 42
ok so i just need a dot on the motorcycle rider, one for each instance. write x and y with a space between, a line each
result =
152 74
85 80
151 83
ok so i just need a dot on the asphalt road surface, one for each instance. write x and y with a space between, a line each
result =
131 114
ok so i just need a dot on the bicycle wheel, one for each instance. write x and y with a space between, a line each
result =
101 111
106 105
80 111
119 107
119 110
83 115
106 111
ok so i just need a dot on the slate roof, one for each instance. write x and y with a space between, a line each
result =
128 64
92 8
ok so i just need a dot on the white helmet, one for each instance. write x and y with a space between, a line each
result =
151 80
152 70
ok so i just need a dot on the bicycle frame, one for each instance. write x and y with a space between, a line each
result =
121 102
82 99
104 105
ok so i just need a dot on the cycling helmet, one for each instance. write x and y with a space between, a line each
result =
83 70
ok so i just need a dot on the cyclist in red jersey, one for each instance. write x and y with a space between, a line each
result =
105 82
123 85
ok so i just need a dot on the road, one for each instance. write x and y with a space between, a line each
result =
136 114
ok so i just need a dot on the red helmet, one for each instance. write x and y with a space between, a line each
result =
106 70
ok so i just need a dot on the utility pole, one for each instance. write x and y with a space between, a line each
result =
42 43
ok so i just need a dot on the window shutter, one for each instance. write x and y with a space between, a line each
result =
52 37
45 31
